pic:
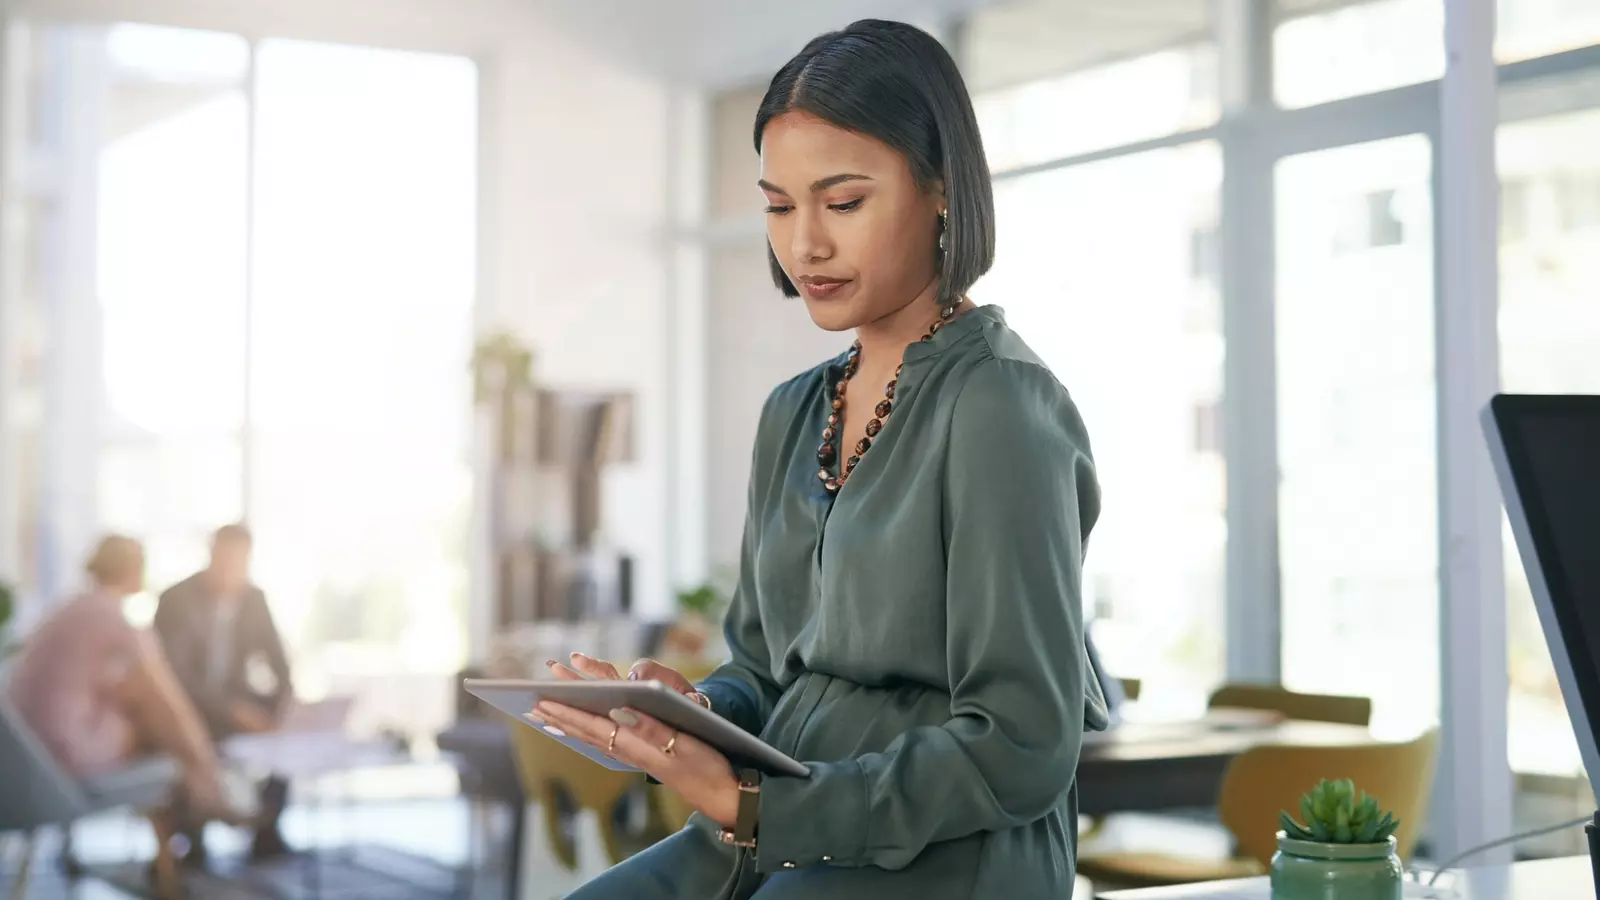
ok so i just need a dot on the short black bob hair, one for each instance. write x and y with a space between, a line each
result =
896 83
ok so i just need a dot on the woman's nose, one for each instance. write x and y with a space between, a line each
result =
810 240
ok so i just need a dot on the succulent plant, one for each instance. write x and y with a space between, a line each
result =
1334 814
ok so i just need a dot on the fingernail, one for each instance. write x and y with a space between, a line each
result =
551 729
624 718
550 662
633 676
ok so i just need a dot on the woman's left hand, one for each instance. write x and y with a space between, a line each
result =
699 773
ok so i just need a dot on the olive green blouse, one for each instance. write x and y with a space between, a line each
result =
917 638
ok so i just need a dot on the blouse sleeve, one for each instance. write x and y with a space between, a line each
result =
743 690
1020 496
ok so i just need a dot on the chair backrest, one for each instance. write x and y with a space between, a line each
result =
1307 707
547 767
1266 780
34 791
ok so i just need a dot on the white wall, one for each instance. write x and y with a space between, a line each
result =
756 337
578 261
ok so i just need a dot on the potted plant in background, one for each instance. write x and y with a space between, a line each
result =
699 617
1346 850
8 606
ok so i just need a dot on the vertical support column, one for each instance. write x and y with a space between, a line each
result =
77 76
688 192
1473 792
1250 425
247 435
482 573
11 149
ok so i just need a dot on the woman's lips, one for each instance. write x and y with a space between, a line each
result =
824 290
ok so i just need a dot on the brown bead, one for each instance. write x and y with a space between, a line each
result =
833 418
828 433
863 445
936 327
873 427
837 404
927 337
852 462
884 408
824 475
897 369
826 454
832 484
839 388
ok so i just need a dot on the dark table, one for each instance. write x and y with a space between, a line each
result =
482 751
1150 766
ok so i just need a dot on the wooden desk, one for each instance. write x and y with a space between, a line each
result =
1568 878
1153 766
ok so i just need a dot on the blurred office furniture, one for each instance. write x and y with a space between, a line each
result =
1161 766
551 449
1131 687
1566 878
672 810
566 785
35 793
479 744
316 752
1269 778
1293 705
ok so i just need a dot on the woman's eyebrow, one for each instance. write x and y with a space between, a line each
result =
819 185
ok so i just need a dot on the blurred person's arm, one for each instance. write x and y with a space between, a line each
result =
171 626
271 644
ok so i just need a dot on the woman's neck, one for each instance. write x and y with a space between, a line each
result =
883 341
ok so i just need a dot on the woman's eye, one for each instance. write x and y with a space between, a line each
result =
778 210
846 207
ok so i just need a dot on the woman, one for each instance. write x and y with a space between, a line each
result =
98 692
907 621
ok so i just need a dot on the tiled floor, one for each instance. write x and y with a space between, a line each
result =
437 829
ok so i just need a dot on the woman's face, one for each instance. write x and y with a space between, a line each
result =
847 221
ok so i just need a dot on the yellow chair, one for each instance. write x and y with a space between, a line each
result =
1265 780
551 773
670 809
1294 705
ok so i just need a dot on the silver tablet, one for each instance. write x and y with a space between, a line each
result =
517 699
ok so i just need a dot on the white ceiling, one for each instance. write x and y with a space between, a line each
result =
726 43
720 43
1023 41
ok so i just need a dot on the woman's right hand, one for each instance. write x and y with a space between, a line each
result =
581 666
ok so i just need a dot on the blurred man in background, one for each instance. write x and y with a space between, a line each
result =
220 637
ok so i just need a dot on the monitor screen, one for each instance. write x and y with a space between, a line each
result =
1547 456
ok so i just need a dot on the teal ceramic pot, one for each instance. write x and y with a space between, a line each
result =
1308 870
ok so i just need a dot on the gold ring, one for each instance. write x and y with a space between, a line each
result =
670 744
611 745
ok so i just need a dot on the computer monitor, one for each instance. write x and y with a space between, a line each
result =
1546 453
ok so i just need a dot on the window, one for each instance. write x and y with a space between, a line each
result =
1356 427
361 330
1529 28
1051 80
1095 269
1549 326
296 355
1324 51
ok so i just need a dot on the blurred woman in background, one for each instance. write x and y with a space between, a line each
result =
98 692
